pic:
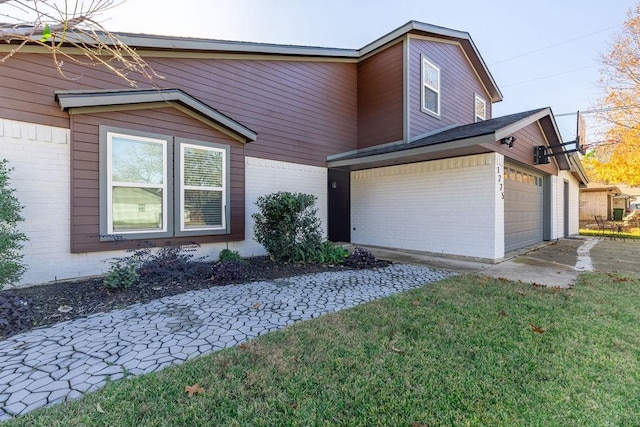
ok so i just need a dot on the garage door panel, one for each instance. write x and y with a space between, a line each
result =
523 209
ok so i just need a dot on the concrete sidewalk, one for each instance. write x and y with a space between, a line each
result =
554 264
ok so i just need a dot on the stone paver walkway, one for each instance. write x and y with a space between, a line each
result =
62 362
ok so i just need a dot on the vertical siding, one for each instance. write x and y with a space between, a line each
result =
380 95
458 86
85 186
302 111
594 203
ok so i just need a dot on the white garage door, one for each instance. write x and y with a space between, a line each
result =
523 208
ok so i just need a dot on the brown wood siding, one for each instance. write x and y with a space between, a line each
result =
458 86
522 150
85 185
302 111
380 94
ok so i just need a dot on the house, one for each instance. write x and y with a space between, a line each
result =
607 201
396 140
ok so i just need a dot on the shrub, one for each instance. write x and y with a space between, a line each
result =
228 255
231 271
361 258
328 253
287 225
11 267
168 264
122 273
15 313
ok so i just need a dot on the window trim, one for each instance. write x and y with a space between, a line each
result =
107 233
172 200
476 117
179 229
424 61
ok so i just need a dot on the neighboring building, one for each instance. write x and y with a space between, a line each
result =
607 201
396 140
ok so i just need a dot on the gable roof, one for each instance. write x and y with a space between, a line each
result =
458 141
82 101
189 44
474 132
462 37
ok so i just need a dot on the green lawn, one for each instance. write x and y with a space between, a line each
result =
464 351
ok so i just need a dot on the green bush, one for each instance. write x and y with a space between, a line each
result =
11 267
287 225
229 255
328 253
122 273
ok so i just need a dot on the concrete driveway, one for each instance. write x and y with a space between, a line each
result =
554 264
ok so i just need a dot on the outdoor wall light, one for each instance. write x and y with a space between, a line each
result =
508 140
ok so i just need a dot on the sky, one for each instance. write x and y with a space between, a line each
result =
541 54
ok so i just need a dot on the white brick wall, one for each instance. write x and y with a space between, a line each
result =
40 157
267 176
450 206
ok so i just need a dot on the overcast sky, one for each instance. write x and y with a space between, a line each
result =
542 53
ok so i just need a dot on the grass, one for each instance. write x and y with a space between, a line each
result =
464 351
632 233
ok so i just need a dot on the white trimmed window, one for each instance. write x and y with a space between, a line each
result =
136 175
202 190
480 109
430 87
142 194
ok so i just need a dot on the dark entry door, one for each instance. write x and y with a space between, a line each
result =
339 189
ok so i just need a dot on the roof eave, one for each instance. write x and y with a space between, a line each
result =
392 158
70 100
462 36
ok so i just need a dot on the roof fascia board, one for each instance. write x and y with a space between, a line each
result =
410 26
453 42
509 129
578 169
186 54
74 100
427 149
162 42
209 122
241 56
112 108
385 47
546 140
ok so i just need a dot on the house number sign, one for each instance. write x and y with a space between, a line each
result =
500 183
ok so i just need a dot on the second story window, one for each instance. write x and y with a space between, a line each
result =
430 87
480 109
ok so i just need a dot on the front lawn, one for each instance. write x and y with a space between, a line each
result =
464 351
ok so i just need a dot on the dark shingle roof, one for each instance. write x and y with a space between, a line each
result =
472 130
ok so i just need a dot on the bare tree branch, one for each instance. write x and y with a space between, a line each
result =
58 28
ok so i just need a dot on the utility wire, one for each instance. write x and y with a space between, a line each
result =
554 45
550 75
599 110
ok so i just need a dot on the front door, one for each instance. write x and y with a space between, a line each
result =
339 198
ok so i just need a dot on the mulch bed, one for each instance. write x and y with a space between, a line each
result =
85 297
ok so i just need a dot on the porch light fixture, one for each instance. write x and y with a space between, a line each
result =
508 140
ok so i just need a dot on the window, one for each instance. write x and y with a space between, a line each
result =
480 109
136 174
430 87
142 195
202 192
